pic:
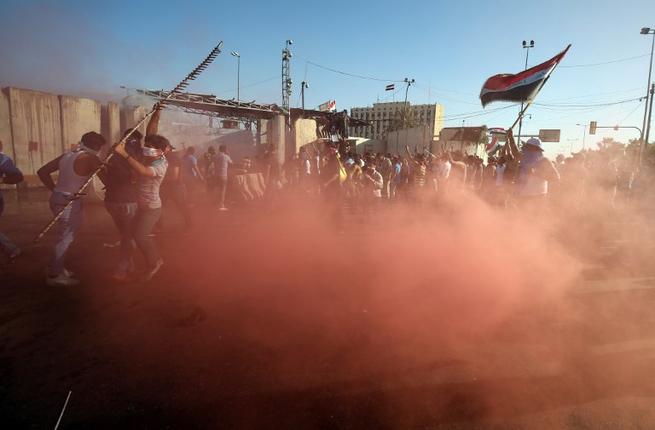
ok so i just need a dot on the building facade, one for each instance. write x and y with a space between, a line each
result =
382 115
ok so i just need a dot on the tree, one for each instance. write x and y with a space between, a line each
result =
403 118
609 143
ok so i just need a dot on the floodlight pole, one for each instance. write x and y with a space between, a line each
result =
527 46
409 83
236 54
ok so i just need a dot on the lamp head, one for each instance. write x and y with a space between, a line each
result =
645 30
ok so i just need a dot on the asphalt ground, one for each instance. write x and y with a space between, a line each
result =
237 331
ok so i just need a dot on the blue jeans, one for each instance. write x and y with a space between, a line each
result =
124 215
66 228
143 225
5 243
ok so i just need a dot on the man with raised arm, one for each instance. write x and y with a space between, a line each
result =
74 169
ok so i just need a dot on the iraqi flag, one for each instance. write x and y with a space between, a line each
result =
494 143
521 87
390 87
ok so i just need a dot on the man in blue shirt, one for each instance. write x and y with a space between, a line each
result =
9 174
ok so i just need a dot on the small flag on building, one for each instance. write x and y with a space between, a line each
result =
390 87
521 87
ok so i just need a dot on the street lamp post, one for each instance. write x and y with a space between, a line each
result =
650 112
409 83
236 54
527 46
584 134
303 85
644 137
571 145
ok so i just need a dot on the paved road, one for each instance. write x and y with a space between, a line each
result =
227 338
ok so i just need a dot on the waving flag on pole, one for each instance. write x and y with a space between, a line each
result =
390 87
521 87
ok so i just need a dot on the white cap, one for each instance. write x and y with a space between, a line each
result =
535 142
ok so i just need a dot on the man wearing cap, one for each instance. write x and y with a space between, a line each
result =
535 171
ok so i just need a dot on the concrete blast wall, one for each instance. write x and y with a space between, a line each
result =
78 116
36 128
132 115
278 132
110 121
5 125
417 138
304 133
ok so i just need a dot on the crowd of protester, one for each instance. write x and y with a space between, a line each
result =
147 172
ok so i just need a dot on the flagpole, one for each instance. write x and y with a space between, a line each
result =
537 93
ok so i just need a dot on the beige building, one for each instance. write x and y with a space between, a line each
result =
381 115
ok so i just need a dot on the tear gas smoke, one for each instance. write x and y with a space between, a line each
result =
308 307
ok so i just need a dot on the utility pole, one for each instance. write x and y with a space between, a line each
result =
527 46
286 74
584 135
303 85
650 113
644 140
236 54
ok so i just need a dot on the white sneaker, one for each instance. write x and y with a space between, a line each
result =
61 280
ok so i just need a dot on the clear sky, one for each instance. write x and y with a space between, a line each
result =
448 47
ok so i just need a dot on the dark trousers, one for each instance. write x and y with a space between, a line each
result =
6 244
143 224
123 215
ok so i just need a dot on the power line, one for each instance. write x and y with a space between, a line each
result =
437 92
629 90
631 112
567 113
353 75
583 106
250 85
620 60
474 114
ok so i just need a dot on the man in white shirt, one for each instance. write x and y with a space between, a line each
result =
222 162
